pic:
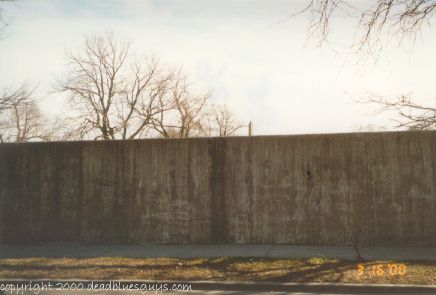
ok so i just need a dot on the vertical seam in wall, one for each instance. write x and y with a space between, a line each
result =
218 211
250 192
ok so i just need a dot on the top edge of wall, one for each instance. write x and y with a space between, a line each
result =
229 137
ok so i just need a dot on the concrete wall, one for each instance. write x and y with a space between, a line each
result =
339 189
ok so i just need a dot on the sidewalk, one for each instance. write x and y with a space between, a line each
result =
207 251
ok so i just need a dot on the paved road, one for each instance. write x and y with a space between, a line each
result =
206 287
187 251
196 292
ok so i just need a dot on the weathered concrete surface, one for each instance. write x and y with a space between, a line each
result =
374 189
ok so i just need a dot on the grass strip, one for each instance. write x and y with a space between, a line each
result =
319 270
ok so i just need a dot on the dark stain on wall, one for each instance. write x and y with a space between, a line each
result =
217 149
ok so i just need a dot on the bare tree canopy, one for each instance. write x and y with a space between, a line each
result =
115 95
3 18
9 97
112 98
402 17
411 116
20 117
224 122
186 114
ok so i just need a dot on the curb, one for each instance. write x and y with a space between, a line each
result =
250 286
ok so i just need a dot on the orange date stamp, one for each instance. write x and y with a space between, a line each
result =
381 270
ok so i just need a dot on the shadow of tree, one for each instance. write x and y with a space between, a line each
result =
310 272
223 268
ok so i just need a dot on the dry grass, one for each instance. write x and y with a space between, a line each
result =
237 269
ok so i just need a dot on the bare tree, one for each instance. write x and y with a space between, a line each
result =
411 116
223 122
3 18
402 17
112 96
186 114
20 117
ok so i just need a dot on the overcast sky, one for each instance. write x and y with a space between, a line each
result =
247 53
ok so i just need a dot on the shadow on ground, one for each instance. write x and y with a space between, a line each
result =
224 268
